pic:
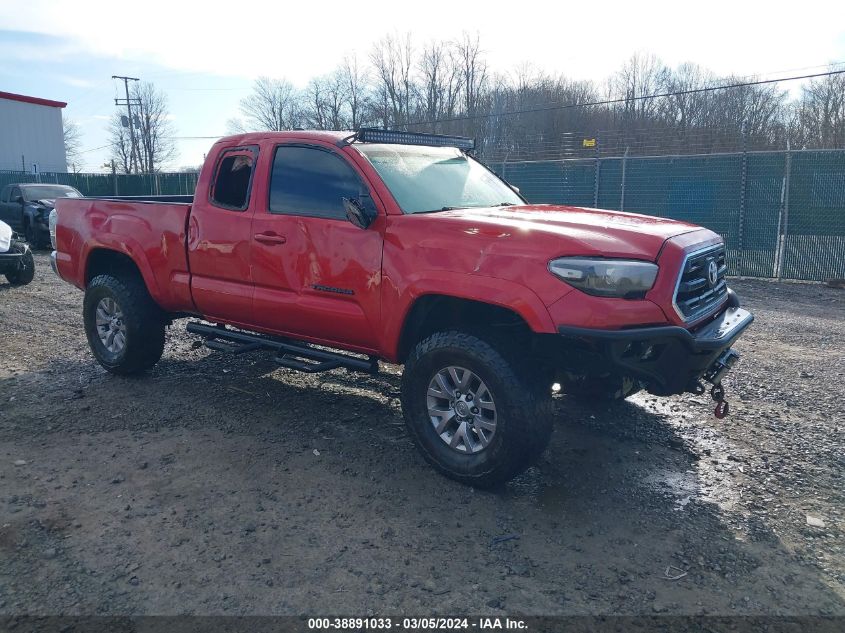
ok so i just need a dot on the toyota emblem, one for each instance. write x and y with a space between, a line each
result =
712 272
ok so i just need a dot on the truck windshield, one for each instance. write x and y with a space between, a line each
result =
428 179
46 192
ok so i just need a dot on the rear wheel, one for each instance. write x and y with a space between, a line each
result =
474 411
125 328
25 272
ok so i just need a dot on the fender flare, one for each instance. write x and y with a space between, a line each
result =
125 246
501 293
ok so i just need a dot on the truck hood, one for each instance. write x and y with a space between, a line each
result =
563 230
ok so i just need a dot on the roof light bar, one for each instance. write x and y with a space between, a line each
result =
375 135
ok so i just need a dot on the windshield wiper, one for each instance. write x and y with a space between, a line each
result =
500 204
440 209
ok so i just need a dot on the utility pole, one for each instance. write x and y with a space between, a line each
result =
133 158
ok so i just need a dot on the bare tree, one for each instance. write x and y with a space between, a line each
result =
392 59
533 114
642 75
818 118
687 109
356 85
154 133
325 102
273 105
121 145
440 81
235 125
473 68
154 144
73 144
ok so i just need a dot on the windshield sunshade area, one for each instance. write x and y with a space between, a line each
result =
426 179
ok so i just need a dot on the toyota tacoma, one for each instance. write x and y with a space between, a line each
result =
341 250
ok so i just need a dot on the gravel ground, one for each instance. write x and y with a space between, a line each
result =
221 484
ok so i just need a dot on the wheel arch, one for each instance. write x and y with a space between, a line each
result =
101 261
434 312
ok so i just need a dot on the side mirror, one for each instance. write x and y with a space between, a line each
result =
358 214
514 187
19 199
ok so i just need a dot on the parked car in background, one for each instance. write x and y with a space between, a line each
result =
26 208
16 261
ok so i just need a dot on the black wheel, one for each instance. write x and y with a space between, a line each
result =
600 388
125 328
25 272
477 413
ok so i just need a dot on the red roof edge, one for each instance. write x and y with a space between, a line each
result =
11 96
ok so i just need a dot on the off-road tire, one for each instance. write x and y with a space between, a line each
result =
25 272
600 388
143 319
523 402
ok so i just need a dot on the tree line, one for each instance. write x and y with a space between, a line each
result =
448 86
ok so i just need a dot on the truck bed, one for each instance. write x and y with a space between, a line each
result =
152 232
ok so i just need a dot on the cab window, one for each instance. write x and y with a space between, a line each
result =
312 182
233 179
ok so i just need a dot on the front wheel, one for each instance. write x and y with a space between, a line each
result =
475 411
125 328
25 272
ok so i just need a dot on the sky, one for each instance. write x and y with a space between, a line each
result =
205 55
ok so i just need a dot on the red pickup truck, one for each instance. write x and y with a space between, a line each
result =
340 250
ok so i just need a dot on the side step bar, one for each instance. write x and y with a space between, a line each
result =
293 355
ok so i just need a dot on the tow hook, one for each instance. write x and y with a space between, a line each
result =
722 407
717 371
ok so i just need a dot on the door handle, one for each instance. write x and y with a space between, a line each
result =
269 238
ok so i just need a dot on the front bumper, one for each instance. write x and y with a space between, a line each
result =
9 262
668 359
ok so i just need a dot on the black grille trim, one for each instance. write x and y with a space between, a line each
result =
694 296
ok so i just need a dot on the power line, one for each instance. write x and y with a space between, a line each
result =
566 106
94 149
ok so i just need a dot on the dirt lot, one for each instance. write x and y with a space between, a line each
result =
225 485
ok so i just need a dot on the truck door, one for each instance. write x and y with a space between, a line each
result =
220 238
316 275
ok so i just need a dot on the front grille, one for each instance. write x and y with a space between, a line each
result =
696 295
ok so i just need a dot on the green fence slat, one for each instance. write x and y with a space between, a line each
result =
709 190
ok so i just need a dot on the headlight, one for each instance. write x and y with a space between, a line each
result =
54 219
606 277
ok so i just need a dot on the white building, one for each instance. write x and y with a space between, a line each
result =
31 136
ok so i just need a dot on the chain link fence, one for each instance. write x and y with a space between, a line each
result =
781 213
160 184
